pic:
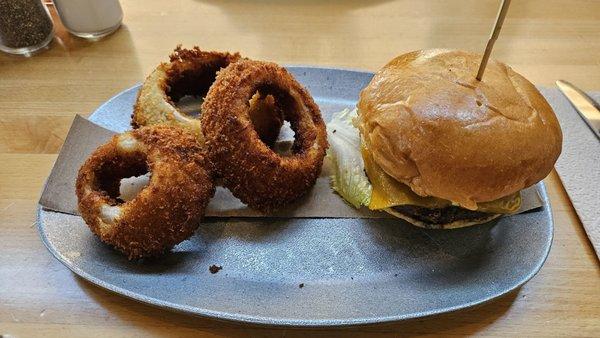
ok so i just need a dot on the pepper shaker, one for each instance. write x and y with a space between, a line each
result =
25 26
90 19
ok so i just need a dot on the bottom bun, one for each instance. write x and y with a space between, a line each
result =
449 225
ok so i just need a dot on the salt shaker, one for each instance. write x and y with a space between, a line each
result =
25 26
90 19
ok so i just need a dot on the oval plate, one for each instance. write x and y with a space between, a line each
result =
352 271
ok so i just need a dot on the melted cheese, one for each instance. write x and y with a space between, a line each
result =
388 192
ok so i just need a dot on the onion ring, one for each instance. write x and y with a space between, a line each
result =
192 72
165 212
189 72
254 173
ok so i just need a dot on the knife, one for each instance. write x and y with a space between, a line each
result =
585 106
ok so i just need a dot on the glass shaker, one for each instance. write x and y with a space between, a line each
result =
25 26
90 19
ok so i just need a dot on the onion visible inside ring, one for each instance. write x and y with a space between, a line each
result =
285 140
266 118
128 142
131 186
266 105
110 213
181 117
129 166
189 106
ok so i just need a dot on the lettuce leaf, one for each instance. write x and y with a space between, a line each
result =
349 178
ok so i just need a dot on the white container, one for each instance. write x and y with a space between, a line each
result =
90 19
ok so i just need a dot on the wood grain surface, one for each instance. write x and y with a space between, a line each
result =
544 40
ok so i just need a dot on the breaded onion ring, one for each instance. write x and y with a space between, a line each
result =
253 172
165 212
192 72
189 72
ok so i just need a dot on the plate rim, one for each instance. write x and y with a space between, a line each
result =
288 322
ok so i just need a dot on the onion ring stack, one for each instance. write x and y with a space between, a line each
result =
233 141
254 173
165 212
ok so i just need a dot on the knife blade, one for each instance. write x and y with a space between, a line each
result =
585 106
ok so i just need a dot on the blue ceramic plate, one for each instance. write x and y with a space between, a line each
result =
353 271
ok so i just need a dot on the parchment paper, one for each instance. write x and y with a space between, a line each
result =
321 202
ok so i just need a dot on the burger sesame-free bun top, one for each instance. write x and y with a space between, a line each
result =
431 125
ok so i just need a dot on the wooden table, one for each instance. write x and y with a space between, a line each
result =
543 39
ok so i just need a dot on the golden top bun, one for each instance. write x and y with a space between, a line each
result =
432 126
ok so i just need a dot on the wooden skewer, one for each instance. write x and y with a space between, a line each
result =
490 44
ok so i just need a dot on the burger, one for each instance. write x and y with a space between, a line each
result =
431 144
